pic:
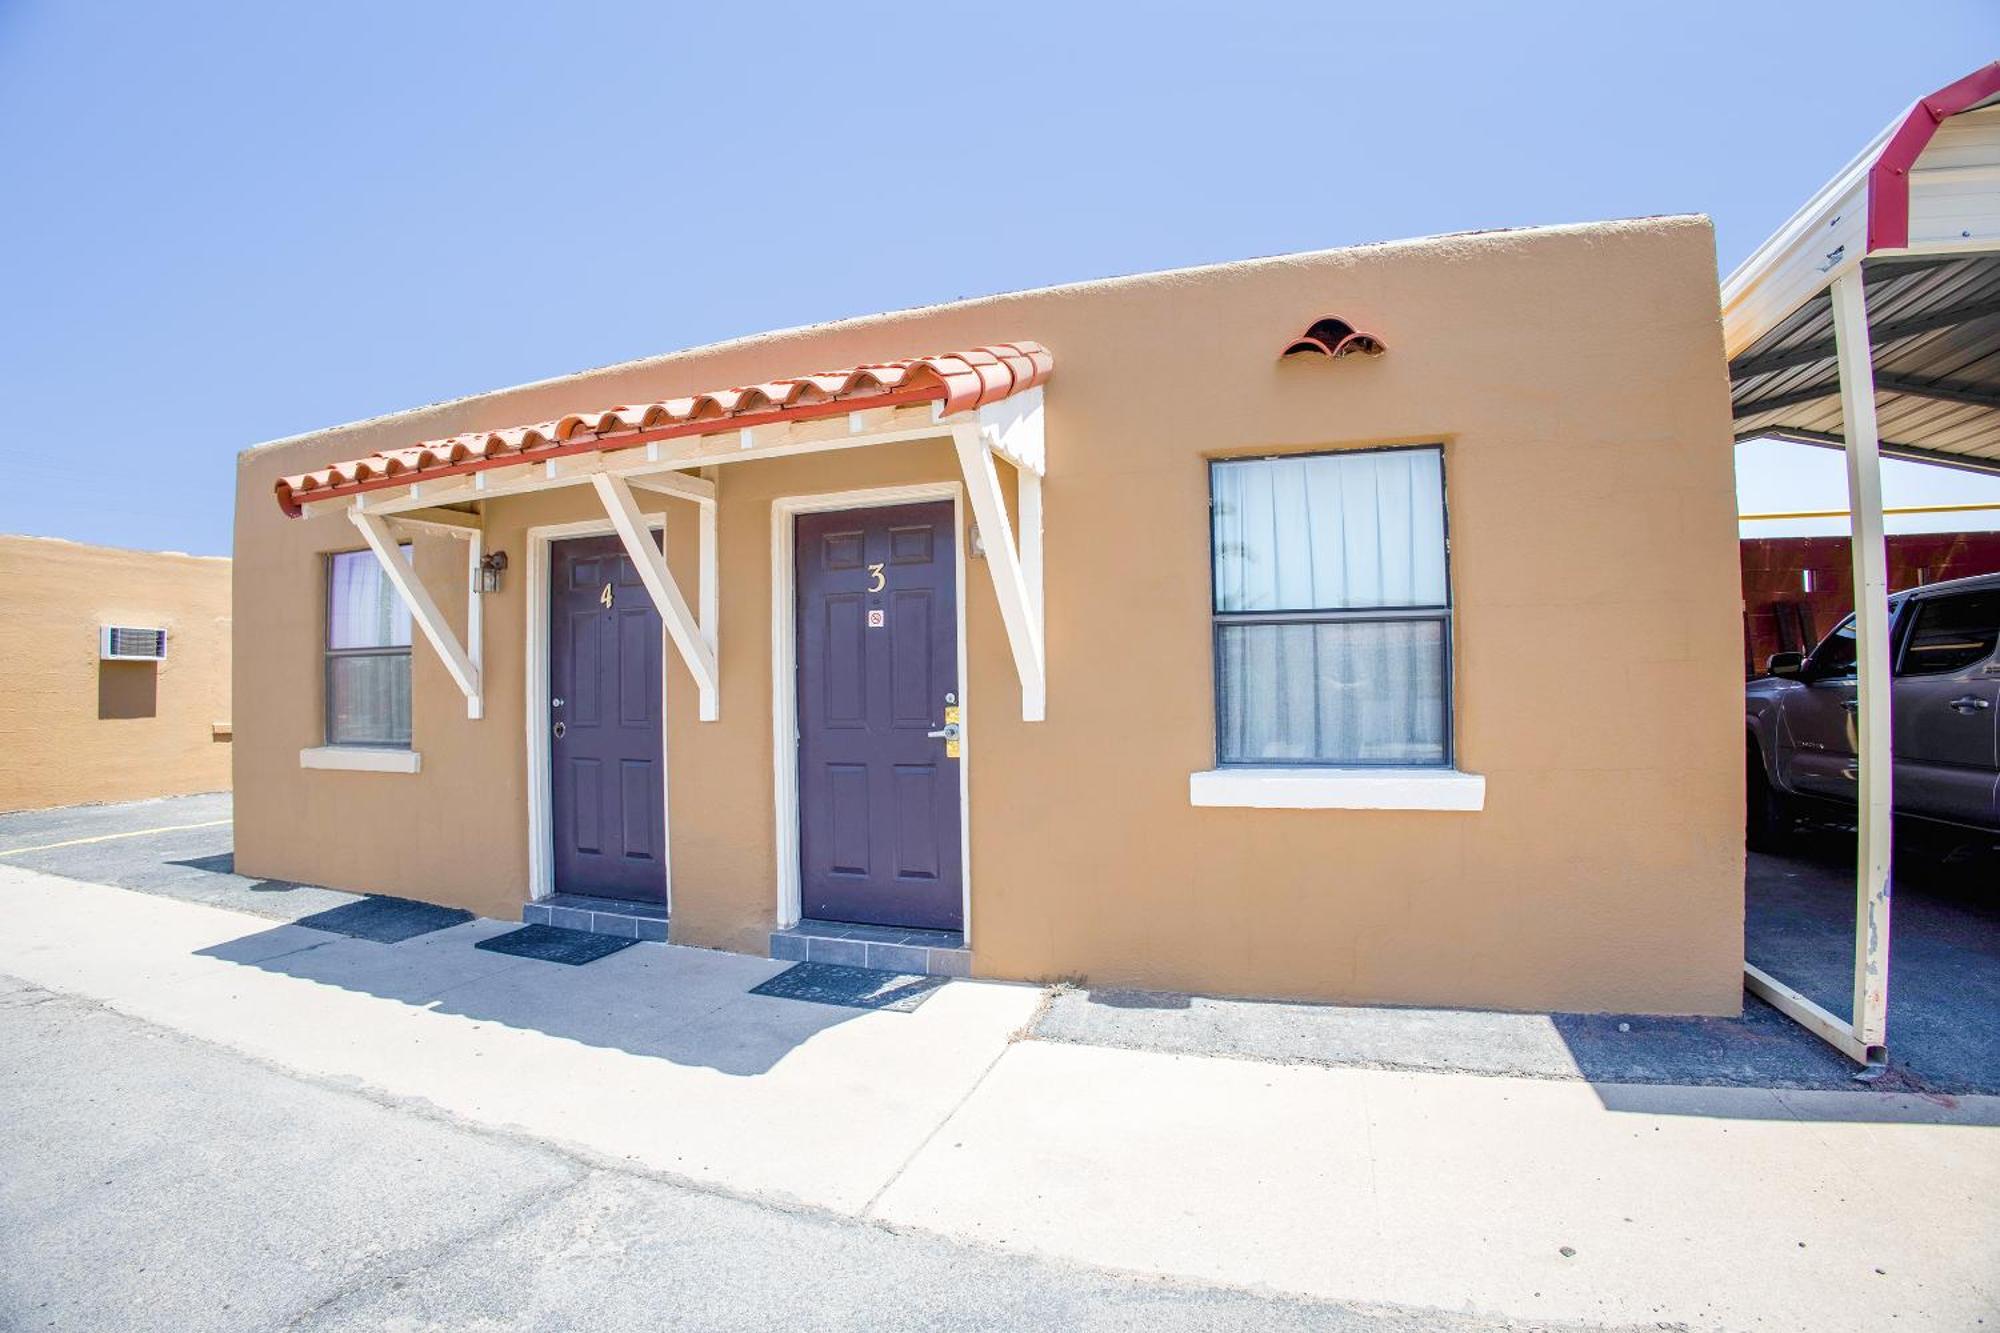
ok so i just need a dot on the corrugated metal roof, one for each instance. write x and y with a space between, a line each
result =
1936 333
1929 190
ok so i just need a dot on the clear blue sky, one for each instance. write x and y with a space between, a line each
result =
226 224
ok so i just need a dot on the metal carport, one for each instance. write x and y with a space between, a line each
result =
1870 322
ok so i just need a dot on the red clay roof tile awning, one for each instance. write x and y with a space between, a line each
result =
960 381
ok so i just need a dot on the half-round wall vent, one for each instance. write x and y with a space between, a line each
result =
1332 336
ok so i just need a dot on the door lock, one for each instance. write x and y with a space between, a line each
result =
559 729
950 731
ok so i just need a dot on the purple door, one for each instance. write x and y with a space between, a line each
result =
606 753
878 667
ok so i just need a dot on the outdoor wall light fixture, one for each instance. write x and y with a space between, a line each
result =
490 569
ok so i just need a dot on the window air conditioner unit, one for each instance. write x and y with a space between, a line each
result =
125 643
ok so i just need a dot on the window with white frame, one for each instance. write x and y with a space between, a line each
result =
367 654
1332 607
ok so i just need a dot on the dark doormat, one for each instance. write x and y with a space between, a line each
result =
855 987
385 920
553 944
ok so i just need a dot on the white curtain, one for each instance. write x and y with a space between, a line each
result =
1345 692
1331 532
363 610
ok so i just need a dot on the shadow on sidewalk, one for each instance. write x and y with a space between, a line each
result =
665 1002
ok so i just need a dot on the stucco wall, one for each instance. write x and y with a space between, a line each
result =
74 729
1575 378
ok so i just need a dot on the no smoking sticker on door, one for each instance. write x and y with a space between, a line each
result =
875 618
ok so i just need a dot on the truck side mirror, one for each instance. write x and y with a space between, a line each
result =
1791 666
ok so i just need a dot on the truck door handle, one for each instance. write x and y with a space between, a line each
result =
1971 703
1851 705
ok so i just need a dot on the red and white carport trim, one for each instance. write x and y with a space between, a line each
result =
987 402
1914 221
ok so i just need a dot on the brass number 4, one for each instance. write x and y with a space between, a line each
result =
605 596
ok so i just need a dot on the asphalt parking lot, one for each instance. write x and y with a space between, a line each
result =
1944 946
179 846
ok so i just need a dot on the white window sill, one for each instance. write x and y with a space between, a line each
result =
1338 789
361 759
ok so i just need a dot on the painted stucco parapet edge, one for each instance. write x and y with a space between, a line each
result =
1338 789
1443 244
361 759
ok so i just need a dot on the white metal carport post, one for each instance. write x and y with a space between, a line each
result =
1872 750
1864 1037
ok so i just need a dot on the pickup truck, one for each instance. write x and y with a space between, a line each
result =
1944 718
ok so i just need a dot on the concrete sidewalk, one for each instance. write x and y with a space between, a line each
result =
149 1181
1517 1198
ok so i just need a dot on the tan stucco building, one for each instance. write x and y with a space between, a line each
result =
82 720
1407 674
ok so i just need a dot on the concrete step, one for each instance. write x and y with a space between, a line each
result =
931 953
600 916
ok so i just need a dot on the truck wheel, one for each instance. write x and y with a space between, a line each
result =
1767 822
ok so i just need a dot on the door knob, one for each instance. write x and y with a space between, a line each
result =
559 730
949 733
1970 703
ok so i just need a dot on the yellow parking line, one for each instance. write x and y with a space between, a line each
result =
107 837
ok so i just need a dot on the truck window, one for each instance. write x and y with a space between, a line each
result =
1951 633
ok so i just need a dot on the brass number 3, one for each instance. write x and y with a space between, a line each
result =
605 596
875 573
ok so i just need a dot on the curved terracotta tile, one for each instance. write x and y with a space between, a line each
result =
1332 336
962 381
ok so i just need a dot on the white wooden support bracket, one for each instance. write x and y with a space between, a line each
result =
423 610
678 484
708 592
702 491
445 522
1016 569
475 614
651 563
